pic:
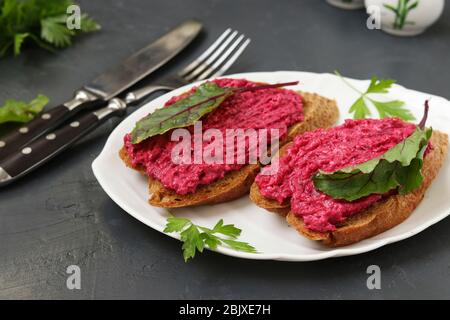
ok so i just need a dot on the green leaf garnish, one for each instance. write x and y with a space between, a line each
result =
182 113
192 241
394 108
20 111
186 111
55 31
196 238
379 85
239 245
42 22
18 41
398 168
227 230
176 225
360 109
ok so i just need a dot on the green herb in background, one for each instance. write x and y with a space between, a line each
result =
394 108
20 111
196 238
42 22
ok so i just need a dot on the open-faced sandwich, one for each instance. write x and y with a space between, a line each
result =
353 181
222 104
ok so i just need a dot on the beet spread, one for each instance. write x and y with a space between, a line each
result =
268 108
354 142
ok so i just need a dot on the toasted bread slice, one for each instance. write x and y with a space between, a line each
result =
232 186
376 219
319 112
270 204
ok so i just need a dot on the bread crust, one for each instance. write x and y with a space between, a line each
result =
319 112
376 219
270 204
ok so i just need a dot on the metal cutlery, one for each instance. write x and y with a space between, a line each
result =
106 86
214 61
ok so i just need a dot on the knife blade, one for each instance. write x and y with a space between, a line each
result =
143 62
105 86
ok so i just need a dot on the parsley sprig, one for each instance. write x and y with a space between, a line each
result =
196 238
42 22
393 108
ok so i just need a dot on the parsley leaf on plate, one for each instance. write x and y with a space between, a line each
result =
379 85
394 108
20 111
192 241
176 224
196 238
360 109
228 230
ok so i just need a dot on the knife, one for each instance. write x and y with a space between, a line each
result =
42 149
106 86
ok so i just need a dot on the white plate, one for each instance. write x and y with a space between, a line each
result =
269 233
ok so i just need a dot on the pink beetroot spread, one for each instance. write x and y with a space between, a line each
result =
354 142
268 108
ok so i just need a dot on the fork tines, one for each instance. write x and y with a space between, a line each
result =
218 58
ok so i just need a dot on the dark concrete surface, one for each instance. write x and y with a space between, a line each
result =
60 216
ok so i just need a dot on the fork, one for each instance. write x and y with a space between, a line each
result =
213 62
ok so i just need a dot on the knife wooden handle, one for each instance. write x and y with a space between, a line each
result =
42 149
43 123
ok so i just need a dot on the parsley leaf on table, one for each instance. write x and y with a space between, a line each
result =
393 108
42 22
20 111
196 238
